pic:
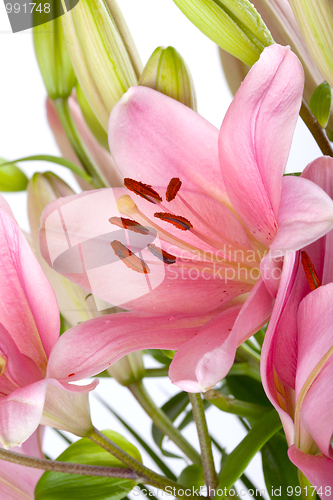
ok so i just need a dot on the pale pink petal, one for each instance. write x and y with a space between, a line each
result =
305 214
205 359
318 470
18 482
317 410
255 139
315 331
320 171
106 339
152 133
28 303
21 412
254 314
33 445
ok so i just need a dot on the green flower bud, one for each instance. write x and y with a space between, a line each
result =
315 20
320 103
74 303
128 369
91 120
100 56
12 178
192 476
52 56
167 72
234 25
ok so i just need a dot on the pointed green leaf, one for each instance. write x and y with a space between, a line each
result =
159 356
12 178
278 470
242 455
247 389
320 103
173 408
56 485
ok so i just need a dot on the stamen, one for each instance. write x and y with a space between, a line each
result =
129 258
143 190
310 271
132 225
173 188
177 220
164 256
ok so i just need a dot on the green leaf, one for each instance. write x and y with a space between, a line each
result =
12 179
192 476
173 408
232 405
164 468
320 103
242 455
247 389
159 356
54 159
56 485
279 471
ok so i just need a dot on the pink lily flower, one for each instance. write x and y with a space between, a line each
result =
233 207
16 481
29 329
297 355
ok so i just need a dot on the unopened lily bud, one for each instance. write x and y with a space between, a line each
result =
315 20
167 72
100 56
74 305
52 55
91 120
235 26
128 369
12 178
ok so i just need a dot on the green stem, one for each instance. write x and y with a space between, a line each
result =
73 135
316 130
69 468
205 442
146 475
162 421
157 372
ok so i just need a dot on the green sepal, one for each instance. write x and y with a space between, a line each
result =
56 485
12 178
320 103
91 120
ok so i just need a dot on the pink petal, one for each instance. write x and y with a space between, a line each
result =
21 412
78 221
106 339
28 302
320 171
270 363
315 326
255 139
318 470
317 409
206 358
154 138
305 214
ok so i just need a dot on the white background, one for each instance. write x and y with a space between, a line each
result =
24 131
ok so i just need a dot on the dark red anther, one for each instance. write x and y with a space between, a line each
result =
310 271
129 258
177 220
132 225
143 190
164 256
173 188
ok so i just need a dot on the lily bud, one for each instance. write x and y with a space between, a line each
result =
99 54
167 72
128 369
74 305
52 56
91 120
315 19
12 178
235 26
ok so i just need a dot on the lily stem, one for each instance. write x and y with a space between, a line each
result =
67 467
162 421
316 130
147 476
205 442
74 138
